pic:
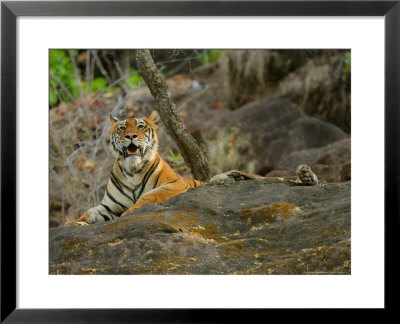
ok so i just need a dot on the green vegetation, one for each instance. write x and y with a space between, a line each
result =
209 56
96 85
175 158
135 79
70 78
64 86
62 75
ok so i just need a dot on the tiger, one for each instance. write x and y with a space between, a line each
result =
139 175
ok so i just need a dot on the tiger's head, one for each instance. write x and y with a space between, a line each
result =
134 141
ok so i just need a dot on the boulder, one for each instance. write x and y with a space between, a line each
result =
322 88
327 162
314 79
345 173
265 226
251 74
263 132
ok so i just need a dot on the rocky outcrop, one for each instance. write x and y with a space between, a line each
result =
265 226
314 79
326 161
322 88
267 131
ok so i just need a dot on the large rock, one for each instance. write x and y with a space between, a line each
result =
322 88
314 79
252 74
265 132
327 162
255 227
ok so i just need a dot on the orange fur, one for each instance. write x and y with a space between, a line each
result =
169 184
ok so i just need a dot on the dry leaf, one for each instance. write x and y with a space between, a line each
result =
218 105
89 165
80 165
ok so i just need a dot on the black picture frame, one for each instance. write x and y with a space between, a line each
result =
9 13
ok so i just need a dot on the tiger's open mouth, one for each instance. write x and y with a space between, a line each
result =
132 150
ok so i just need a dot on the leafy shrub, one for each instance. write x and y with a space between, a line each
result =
209 56
61 68
135 79
175 157
63 81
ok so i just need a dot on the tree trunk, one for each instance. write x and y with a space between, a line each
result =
191 152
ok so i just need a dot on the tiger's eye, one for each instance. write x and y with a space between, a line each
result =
121 128
141 126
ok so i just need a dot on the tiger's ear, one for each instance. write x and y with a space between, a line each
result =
113 119
154 117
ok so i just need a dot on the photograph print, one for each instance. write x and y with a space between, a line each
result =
200 161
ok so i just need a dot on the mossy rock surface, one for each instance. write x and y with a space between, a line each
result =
254 227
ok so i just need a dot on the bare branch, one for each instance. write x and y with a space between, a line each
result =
62 86
76 73
101 67
123 76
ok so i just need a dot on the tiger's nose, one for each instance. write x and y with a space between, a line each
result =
131 136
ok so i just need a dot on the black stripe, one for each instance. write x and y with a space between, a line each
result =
116 181
120 182
120 169
148 175
124 172
129 174
106 218
137 188
151 140
115 201
148 134
114 144
151 146
169 189
156 180
171 182
107 208
111 212
116 184
140 170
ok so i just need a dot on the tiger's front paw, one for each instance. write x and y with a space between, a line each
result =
85 219
226 177
306 176
75 223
